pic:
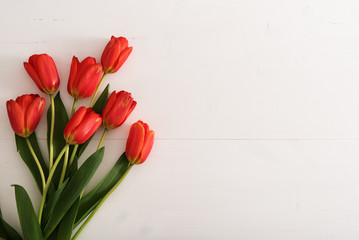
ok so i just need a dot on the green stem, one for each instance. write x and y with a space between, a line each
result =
64 167
96 91
51 174
52 130
73 107
37 162
82 193
102 138
73 155
100 203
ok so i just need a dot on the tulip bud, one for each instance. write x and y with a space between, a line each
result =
118 107
42 70
82 125
25 113
84 77
115 54
139 142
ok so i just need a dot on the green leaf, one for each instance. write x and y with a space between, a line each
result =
89 202
53 234
98 108
67 223
73 190
83 146
52 199
3 233
26 156
28 220
74 166
6 231
101 101
61 120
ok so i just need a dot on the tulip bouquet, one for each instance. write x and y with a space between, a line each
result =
60 178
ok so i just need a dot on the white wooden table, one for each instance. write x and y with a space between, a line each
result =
255 105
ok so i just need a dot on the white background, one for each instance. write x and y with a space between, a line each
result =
255 105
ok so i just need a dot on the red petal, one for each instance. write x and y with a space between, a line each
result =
87 61
74 121
123 43
33 114
133 105
34 76
119 110
88 79
135 141
16 117
110 54
111 100
87 127
122 59
25 100
46 69
145 125
55 76
73 72
147 146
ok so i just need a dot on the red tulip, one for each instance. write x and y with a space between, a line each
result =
115 54
25 113
82 125
84 77
118 107
139 142
42 70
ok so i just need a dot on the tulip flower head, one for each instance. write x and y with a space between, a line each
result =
118 107
139 142
84 77
42 70
115 54
82 125
25 113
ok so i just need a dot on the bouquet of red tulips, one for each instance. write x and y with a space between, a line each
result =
61 180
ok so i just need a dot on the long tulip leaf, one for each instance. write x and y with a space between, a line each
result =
53 234
98 108
52 199
6 231
89 202
3 233
59 142
67 223
74 166
28 220
101 101
73 190
26 156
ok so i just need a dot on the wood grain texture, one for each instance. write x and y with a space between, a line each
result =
254 103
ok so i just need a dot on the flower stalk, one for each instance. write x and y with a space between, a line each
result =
102 138
74 107
51 150
64 167
37 162
96 91
48 182
73 155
